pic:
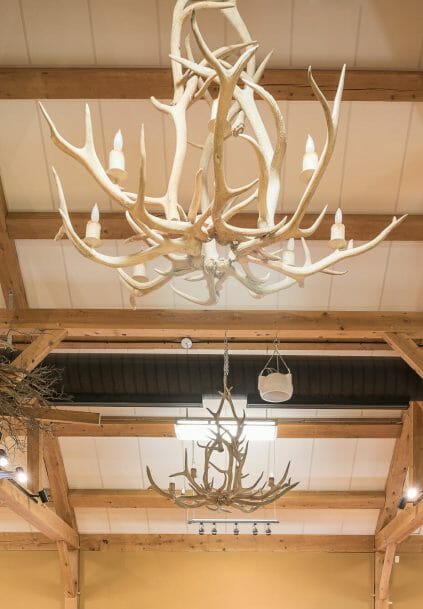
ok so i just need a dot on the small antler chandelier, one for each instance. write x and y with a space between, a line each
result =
230 492
200 238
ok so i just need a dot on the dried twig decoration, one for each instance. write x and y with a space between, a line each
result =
19 391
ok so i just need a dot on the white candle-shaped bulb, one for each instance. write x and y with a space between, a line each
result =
337 232
140 273
118 141
93 228
116 170
310 160
309 144
288 254
95 213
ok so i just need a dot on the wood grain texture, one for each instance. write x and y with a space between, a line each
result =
10 273
141 83
38 350
396 475
132 498
38 515
211 324
165 428
362 227
407 349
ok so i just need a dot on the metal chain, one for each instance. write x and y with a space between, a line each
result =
225 362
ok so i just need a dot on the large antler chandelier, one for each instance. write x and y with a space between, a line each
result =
227 440
198 237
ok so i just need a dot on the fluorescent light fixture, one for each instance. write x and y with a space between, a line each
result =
202 430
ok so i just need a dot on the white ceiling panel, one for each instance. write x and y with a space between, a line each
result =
323 522
390 34
92 520
164 456
324 33
167 520
44 273
58 32
332 464
374 153
13 49
125 521
100 289
410 198
81 190
81 462
371 464
120 463
359 522
361 287
272 33
22 159
299 453
137 21
403 289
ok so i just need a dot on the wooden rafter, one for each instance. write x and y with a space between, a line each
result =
396 475
39 349
39 542
34 458
211 324
165 428
383 563
408 520
363 227
141 83
407 349
68 558
11 281
123 499
38 515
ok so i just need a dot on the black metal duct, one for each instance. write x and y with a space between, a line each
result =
121 379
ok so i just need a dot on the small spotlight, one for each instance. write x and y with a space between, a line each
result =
236 529
402 503
4 461
255 529
201 529
43 495
214 529
268 530
21 476
412 493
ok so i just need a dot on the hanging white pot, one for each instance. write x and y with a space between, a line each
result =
273 385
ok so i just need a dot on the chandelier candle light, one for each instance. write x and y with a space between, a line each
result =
198 237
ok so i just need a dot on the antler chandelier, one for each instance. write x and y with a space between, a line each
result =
230 492
198 237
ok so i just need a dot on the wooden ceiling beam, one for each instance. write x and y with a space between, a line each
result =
396 475
11 282
142 83
227 543
123 499
38 542
38 350
407 349
171 324
133 427
38 515
363 227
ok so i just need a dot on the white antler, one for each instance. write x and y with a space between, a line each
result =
190 232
